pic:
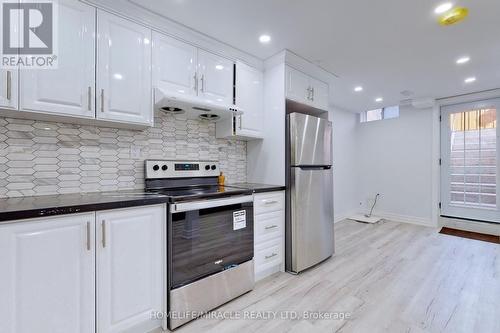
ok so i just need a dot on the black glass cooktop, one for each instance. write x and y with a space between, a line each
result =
200 192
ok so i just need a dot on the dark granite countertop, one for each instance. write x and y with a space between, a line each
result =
258 188
48 205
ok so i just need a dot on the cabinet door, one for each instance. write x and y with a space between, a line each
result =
215 78
47 281
297 86
8 89
249 96
130 268
319 94
174 65
124 70
69 89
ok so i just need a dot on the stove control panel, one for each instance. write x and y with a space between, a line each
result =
156 169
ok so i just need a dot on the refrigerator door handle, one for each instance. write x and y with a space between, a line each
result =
315 167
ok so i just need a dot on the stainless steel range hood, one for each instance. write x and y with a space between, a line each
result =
195 107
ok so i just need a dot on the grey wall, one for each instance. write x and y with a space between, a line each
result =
39 158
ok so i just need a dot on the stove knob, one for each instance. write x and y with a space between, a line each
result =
214 167
156 167
207 167
164 167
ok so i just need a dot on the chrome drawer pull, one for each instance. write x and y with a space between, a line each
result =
269 202
272 255
271 227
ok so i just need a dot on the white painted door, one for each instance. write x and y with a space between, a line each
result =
319 94
123 71
8 89
215 76
249 97
69 89
174 65
47 278
298 86
470 175
130 268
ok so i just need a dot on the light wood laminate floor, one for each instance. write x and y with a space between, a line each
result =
390 277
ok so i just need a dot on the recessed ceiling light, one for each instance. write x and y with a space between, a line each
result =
443 8
379 99
470 80
462 60
358 89
264 39
219 67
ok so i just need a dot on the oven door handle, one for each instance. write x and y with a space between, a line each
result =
211 203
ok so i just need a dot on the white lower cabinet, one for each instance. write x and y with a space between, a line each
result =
92 272
130 274
269 233
47 281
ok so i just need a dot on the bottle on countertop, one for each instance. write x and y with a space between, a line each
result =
222 179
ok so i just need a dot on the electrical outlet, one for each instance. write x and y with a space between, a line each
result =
135 152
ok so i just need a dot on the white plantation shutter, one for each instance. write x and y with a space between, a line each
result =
469 154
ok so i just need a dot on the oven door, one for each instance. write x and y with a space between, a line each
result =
209 236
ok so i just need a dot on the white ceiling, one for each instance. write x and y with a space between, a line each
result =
387 46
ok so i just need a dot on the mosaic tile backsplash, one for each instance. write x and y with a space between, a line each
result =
38 158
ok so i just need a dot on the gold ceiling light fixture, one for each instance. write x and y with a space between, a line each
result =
453 16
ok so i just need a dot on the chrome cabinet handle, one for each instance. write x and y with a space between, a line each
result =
102 100
202 83
241 122
103 228
195 81
271 227
272 255
269 202
312 94
9 85
88 236
89 98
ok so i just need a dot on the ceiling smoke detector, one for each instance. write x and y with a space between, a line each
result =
453 16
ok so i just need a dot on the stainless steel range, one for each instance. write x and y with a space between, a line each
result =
210 237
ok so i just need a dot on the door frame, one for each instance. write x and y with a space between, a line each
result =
438 219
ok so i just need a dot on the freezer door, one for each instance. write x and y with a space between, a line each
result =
311 217
310 140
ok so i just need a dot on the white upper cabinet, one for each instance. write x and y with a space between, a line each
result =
304 89
319 94
48 275
249 96
69 89
174 65
8 89
130 268
297 86
124 91
215 77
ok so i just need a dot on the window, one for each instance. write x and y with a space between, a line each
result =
388 112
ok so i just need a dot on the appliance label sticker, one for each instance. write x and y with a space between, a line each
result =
239 219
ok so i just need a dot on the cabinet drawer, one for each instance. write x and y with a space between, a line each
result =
269 202
269 226
268 254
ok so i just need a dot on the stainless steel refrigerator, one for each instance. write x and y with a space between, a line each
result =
309 194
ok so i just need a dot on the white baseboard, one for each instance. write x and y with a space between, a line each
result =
426 222
342 217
